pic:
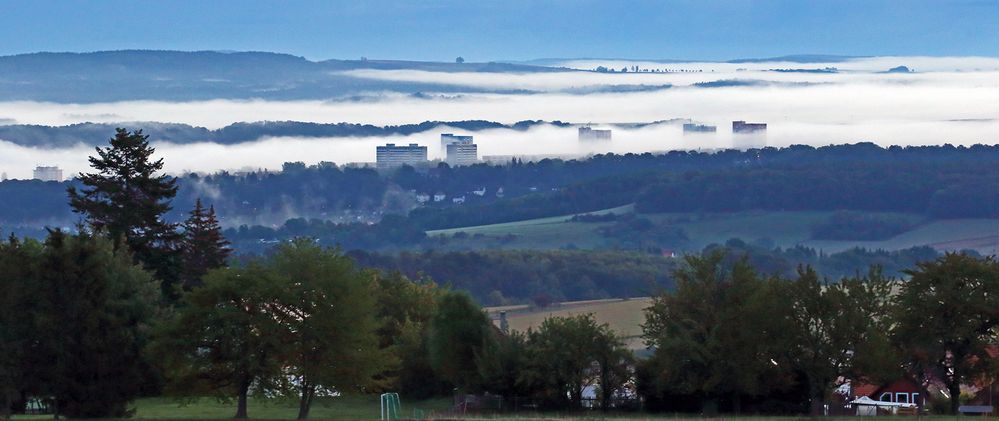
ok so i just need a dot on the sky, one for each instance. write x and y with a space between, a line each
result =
487 30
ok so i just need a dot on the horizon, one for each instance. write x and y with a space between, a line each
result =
528 61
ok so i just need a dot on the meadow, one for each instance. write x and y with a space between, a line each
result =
781 229
355 407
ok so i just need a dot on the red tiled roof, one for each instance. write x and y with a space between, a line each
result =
864 389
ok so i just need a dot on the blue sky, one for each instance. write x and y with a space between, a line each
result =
483 30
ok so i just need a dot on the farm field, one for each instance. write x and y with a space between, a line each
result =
782 229
981 235
625 317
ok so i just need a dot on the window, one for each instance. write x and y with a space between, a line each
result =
902 397
885 397
915 399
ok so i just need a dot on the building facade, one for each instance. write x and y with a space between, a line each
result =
462 154
589 134
48 173
741 126
391 155
450 138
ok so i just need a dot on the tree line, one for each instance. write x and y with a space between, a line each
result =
936 181
502 277
730 339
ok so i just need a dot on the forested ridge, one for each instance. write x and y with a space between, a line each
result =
935 181
92 133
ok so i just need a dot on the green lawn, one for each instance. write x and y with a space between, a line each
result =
366 408
542 233
341 408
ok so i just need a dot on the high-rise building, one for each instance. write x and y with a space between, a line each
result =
390 155
449 138
749 135
741 126
589 134
459 150
48 173
462 153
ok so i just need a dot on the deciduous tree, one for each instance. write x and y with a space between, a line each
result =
458 332
327 309
225 338
947 315
93 307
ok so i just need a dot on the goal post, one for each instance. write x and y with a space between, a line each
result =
390 406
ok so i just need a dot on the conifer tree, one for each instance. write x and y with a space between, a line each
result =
126 198
204 247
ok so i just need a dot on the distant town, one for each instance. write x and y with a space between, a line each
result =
460 150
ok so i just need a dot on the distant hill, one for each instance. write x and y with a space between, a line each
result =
798 58
180 75
794 58
98 133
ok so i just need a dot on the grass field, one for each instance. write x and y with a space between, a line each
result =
363 407
367 408
784 229
625 317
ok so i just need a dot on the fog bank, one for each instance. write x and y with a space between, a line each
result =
947 100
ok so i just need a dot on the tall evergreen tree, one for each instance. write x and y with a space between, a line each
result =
203 247
126 198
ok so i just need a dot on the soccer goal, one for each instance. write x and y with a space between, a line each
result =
390 406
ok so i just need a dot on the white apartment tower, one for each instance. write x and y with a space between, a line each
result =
459 150
48 173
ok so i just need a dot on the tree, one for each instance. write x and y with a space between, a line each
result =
93 307
501 364
203 245
707 333
567 354
225 338
459 60
126 198
947 314
837 330
405 309
18 262
458 332
614 362
328 310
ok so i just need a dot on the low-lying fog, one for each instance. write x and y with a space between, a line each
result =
946 100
